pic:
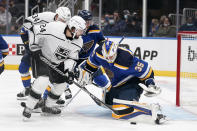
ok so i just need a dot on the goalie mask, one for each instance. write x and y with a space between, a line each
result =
109 51
63 13
77 25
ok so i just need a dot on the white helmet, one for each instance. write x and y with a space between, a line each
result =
63 13
78 23
109 50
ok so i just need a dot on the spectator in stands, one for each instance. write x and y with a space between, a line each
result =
166 29
195 19
13 9
133 28
189 25
53 5
126 14
3 20
116 25
108 23
162 18
154 26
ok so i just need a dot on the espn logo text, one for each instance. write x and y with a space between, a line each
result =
191 54
16 49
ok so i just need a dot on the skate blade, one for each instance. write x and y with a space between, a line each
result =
25 119
21 98
37 110
49 114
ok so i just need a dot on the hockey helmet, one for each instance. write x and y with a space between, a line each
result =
64 13
85 14
78 24
109 50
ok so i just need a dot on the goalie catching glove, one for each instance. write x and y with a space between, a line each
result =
151 90
84 78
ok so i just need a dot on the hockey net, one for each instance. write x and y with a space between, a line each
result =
186 79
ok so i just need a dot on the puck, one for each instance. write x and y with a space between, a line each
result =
133 123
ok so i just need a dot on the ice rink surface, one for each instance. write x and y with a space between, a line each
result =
82 114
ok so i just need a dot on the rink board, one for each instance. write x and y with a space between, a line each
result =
159 52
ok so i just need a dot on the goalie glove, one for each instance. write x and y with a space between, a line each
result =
84 78
151 90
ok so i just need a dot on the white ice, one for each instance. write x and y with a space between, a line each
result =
82 114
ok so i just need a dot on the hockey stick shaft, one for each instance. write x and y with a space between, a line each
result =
121 39
72 98
99 102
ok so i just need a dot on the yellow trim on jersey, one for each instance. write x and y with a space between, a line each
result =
109 88
93 31
26 42
5 53
148 75
2 63
121 67
103 70
100 56
22 33
90 64
26 78
48 88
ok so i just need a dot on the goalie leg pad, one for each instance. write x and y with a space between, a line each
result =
139 109
143 112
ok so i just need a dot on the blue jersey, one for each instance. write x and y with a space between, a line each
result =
3 49
93 35
125 67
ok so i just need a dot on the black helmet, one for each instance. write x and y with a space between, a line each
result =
85 14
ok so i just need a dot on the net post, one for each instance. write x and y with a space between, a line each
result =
178 70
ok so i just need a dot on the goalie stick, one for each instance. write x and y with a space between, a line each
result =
98 101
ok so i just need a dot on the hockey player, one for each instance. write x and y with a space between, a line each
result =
91 37
3 53
62 14
128 71
60 44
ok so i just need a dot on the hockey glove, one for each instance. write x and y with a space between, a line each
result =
85 77
70 77
151 90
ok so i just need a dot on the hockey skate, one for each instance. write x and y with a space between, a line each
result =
50 110
157 115
26 112
23 95
68 95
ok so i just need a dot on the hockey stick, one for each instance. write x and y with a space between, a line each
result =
72 98
99 102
